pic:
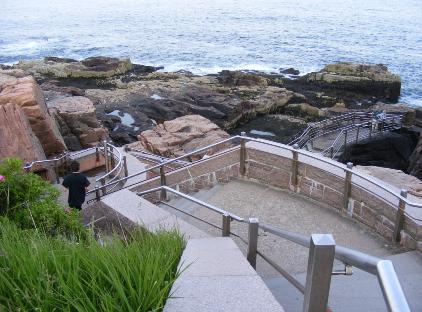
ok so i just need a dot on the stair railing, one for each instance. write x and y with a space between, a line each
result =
322 252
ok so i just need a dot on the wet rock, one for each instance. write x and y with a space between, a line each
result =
59 59
374 80
418 118
16 136
239 78
93 67
180 136
78 119
26 93
304 110
290 71
67 90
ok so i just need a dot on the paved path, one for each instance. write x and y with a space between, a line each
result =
302 215
287 210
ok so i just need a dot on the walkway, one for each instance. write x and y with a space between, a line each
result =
302 215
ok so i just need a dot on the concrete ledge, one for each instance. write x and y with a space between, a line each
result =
151 217
217 277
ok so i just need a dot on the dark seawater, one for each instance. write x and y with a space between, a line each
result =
206 36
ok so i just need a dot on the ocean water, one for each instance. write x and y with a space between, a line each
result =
206 36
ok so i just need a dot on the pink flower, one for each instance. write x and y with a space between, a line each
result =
2 178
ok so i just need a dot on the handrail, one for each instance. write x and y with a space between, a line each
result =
319 129
383 269
368 124
66 154
119 163
311 155
168 162
192 199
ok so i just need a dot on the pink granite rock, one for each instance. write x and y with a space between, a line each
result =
26 93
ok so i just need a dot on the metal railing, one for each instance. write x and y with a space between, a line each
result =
322 251
57 162
355 132
115 164
338 123
400 198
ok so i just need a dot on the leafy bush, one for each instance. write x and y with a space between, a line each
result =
44 273
32 202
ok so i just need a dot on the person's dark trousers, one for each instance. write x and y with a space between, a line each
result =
76 207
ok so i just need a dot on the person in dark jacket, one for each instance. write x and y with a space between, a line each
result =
77 184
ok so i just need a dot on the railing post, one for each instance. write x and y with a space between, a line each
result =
163 195
106 156
318 277
112 160
295 167
226 225
345 139
125 166
398 225
242 165
357 134
97 193
104 190
347 186
56 171
252 241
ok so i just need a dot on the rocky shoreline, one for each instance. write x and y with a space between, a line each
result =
101 97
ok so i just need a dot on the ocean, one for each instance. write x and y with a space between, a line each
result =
206 36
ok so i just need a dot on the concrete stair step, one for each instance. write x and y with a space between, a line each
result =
217 277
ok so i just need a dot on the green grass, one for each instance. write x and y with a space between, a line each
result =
39 272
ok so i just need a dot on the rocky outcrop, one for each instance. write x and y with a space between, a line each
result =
26 93
16 136
93 67
304 110
374 80
180 136
162 97
415 160
78 121
240 78
394 177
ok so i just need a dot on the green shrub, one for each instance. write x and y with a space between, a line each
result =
32 202
43 273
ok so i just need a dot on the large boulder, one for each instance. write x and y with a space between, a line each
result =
180 136
415 160
374 80
16 136
78 121
93 67
26 93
